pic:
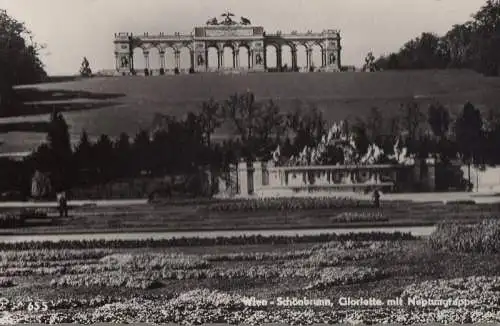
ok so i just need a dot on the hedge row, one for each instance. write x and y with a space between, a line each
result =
183 242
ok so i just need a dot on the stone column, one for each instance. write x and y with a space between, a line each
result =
339 50
294 59
220 56
431 174
117 61
162 59
177 59
257 175
131 62
323 59
191 56
243 179
236 59
249 59
309 59
146 58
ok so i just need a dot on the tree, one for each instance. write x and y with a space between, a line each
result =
84 158
104 155
85 70
19 57
251 121
375 125
210 119
61 153
411 123
468 134
123 151
308 126
486 38
439 120
474 45
142 151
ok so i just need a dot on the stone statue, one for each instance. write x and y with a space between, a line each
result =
332 59
227 19
258 59
124 62
245 21
200 60
212 21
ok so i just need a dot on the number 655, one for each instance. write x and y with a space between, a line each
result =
37 306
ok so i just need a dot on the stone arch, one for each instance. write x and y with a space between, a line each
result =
212 56
228 55
271 57
185 58
154 59
301 49
244 56
138 59
169 57
316 55
287 56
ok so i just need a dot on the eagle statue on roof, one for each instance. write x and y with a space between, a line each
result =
245 21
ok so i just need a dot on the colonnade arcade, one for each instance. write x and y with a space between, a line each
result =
227 46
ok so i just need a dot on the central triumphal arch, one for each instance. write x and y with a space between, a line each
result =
228 34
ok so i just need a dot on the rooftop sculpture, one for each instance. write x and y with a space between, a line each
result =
228 21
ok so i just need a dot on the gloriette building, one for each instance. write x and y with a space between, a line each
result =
249 47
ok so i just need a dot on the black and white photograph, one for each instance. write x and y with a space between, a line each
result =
233 162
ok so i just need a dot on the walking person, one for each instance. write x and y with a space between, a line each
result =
62 204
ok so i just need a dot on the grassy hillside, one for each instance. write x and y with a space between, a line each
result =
338 95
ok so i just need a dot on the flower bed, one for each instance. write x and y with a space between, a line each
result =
258 256
335 253
332 276
181 242
154 261
29 271
352 217
46 263
6 282
326 258
36 255
482 237
111 279
349 245
288 204
481 289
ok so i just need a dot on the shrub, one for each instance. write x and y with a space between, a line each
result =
481 237
33 213
288 204
11 220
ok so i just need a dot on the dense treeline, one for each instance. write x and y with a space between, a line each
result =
472 45
19 59
184 145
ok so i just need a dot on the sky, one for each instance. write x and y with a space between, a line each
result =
72 29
